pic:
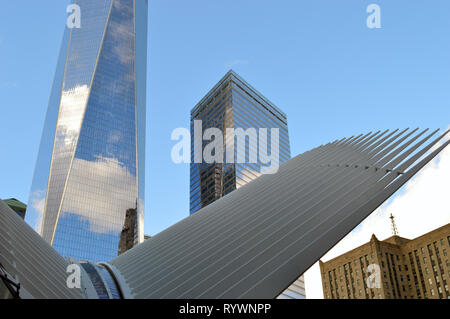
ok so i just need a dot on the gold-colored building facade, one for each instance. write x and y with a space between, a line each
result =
408 269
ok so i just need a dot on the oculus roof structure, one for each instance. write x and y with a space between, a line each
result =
256 241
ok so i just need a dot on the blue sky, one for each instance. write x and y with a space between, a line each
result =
316 60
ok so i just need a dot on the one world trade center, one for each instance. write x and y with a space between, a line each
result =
87 195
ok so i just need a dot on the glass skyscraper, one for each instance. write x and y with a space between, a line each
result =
91 163
234 103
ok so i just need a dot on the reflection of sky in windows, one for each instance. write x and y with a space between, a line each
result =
74 238
109 129
36 202
102 183
93 123
141 19
80 65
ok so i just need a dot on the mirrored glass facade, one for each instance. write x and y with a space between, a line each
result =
233 103
91 163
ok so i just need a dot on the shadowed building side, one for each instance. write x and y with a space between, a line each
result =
129 231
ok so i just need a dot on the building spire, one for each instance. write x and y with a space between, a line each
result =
393 226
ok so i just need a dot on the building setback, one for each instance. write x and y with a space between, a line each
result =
409 269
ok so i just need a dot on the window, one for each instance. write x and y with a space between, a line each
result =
426 270
430 281
444 251
424 260
432 292
422 250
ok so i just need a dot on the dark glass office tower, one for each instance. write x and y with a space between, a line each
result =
90 167
233 103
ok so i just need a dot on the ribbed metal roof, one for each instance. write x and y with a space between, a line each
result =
252 243
256 241
26 257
